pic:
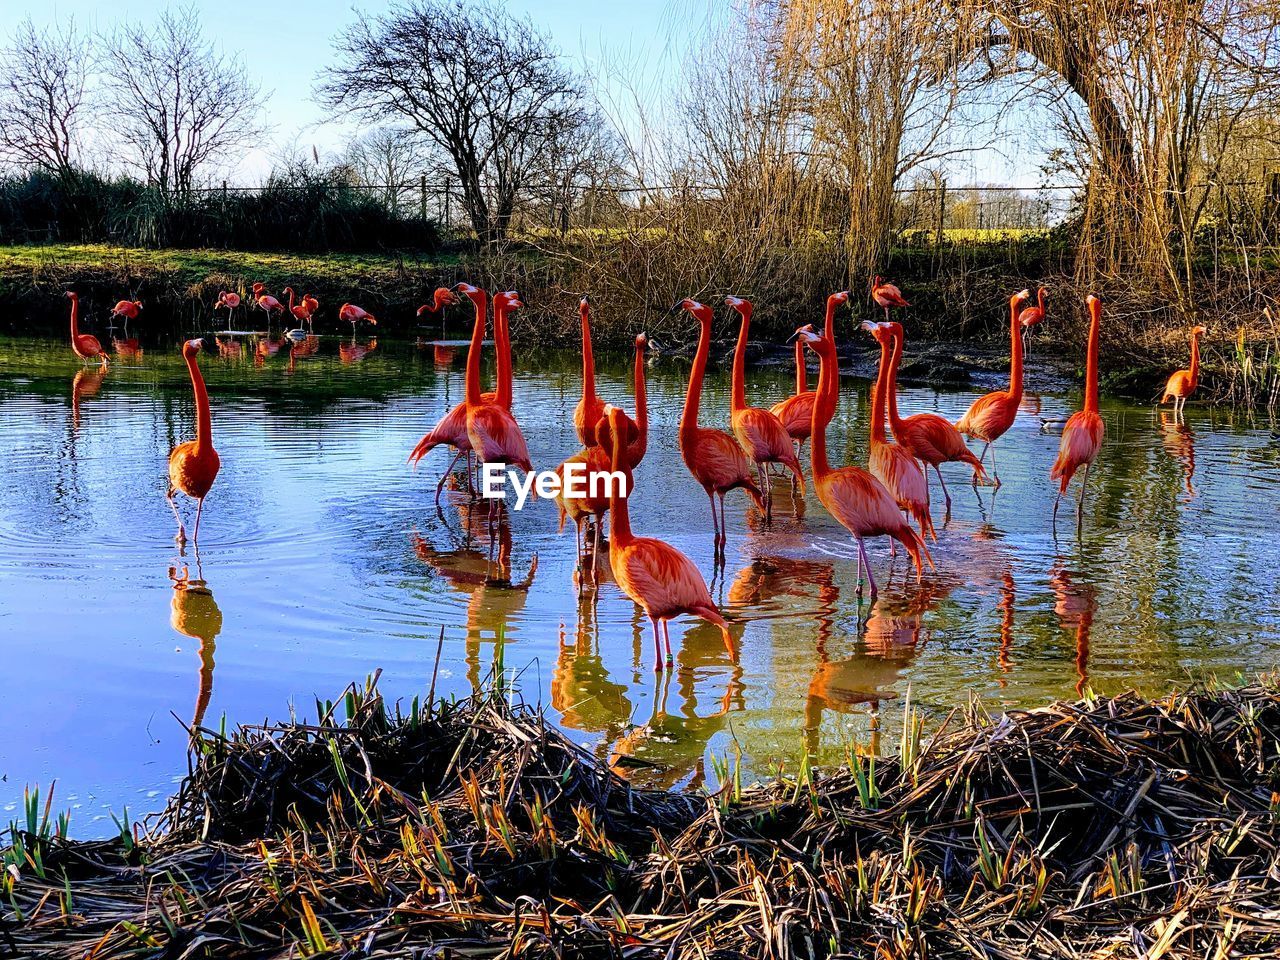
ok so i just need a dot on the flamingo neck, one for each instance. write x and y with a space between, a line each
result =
1195 357
1015 340
503 342
291 296
738 394
204 422
642 407
619 515
824 409
1040 301
1091 363
588 358
692 397
895 421
878 397
802 374
75 317
829 321
473 359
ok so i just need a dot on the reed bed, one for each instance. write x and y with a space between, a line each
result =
1121 827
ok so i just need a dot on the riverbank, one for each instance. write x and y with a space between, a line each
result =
1104 827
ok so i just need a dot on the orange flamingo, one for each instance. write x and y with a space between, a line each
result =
887 295
713 457
1183 383
991 415
350 313
590 408
891 463
597 459
1082 436
193 466
439 300
301 311
84 345
657 576
127 310
229 301
761 435
930 438
796 412
503 304
493 433
1032 317
268 304
852 495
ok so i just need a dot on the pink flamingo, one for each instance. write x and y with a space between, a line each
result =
127 310
991 415
887 295
84 345
590 408
1082 436
796 412
350 313
229 301
1032 317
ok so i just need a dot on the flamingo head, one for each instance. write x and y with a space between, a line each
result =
1199 331
880 331
802 333
744 307
584 307
469 291
642 342
73 296
259 289
288 290
838 298
1042 293
894 328
1022 296
698 310
192 348
510 299
875 281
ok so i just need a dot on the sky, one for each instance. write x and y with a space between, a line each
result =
284 46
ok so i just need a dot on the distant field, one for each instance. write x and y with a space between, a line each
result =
975 235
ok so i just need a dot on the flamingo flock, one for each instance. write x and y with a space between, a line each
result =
888 497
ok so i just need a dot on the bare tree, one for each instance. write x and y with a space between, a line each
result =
486 88
391 160
43 101
176 104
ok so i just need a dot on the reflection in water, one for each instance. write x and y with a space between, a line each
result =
86 383
355 352
473 569
127 349
1008 598
1076 603
1180 442
582 691
195 614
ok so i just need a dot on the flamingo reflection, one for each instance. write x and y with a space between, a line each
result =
86 383
355 352
1075 604
127 349
195 614
1180 442
582 691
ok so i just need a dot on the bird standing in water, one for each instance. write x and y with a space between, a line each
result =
84 345
654 574
1183 383
227 301
350 313
193 466
127 310
796 412
712 456
1082 437
992 414
761 435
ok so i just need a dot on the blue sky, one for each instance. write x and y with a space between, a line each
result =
285 44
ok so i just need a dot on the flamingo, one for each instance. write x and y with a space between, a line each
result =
267 304
852 495
930 438
598 458
1082 438
992 414
891 463
713 457
662 580
1183 383
887 295
350 313
503 304
229 301
1032 317
760 433
301 311
193 466
84 345
796 412
590 408
127 310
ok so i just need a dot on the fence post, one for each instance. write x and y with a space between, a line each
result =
422 197
942 213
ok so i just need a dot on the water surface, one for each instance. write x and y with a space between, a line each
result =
322 558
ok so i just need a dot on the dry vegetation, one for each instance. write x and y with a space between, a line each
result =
1117 827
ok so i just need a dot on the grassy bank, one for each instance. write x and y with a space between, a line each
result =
1121 827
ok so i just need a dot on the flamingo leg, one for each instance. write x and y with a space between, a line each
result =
444 476
860 556
715 523
945 492
182 533
657 647
995 471
862 549
666 640
1084 482
595 551
724 530
195 536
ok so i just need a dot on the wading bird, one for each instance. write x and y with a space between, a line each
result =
227 301
193 466
657 576
852 495
796 412
930 438
267 304
127 310
891 463
1032 317
1183 383
887 295
712 456
85 345
992 414
761 435
1082 438
590 408
350 313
